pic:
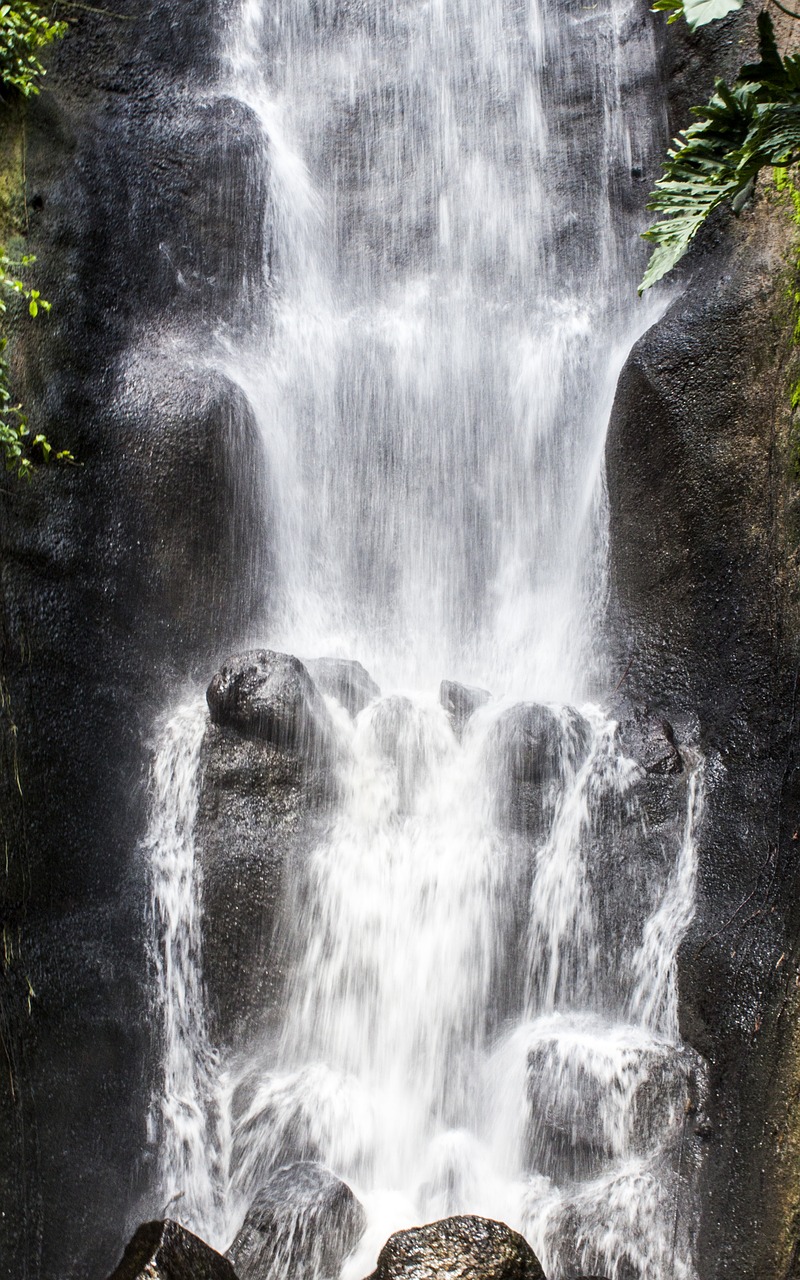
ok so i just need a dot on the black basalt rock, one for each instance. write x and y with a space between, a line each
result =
459 1248
303 1223
167 1251
267 777
272 698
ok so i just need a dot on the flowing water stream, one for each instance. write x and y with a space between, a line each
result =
479 1015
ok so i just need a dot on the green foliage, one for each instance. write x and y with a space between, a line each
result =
745 127
24 32
16 440
789 194
696 12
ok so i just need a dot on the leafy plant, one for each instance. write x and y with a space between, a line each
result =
24 32
745 127
16 439
696 12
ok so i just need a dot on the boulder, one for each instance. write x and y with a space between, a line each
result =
460 701
459 1248
537 749
167 1251
346 680
272 698
260 810
303 1223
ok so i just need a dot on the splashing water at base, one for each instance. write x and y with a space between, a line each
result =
423 1056
183 1117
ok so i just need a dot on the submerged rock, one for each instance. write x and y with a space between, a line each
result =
167 1251
271 697
460 701
303 1223
459 1248
346 680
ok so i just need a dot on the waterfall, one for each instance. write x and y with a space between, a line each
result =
451 296
183 1120
479 1010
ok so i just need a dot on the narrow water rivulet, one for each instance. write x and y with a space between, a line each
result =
478 1009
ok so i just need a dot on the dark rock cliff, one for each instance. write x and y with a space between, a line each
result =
118 577
704 556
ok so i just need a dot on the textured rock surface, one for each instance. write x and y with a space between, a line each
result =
271 697
704 556
536 750
460 1248
167 1251
303 1223
260 809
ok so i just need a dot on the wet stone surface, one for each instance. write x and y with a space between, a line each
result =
302 1223
167 1251
458 1248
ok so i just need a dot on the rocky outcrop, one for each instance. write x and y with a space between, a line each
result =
272 698
121 578
303 1223
704 611
346 680
167 1251
460 1248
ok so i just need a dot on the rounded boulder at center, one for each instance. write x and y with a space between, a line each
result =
459 1248
303 1223
271 697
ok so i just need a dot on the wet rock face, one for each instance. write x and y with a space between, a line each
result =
346 680
536 751
459 1248
303 1223
271 697
704 614
120 578
167 1251
268 775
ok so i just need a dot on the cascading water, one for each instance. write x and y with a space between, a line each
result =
479 1011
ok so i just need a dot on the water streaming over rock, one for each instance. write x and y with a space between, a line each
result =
183 1116
479 1009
